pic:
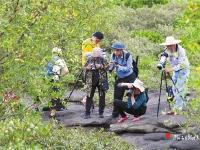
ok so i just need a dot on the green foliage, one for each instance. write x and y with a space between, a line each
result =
140 3
151 35
192 117
189 22
21 128
30 29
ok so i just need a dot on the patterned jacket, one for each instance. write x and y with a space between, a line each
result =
95 75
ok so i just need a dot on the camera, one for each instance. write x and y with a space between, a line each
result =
112 66
129 92
93 67
162 62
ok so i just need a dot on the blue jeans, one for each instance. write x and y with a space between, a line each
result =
179 89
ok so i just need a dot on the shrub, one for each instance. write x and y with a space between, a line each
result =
140 3
24 129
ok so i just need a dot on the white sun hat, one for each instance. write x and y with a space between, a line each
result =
57 50
139 84
97 52
170 40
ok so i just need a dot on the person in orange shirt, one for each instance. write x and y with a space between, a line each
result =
90 43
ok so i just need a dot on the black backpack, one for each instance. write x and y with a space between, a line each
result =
134 63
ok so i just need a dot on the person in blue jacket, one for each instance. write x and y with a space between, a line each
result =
121 62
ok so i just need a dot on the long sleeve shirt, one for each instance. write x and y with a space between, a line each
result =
178 60
125 67
139 101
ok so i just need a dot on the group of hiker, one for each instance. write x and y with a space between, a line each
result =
96 66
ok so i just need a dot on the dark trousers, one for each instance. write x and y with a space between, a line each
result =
119 91
89 100
122 107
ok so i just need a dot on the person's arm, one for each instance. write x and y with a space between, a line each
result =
127 67
140 100
129 85
182 60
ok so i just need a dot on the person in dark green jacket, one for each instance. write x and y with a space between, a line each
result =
136 104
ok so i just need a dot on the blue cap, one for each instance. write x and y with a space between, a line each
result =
118 45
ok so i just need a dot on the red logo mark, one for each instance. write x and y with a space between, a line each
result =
167 136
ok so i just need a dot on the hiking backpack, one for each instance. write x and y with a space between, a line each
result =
49 66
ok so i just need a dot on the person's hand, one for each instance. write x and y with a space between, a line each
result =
117 65
99 66
88 67
111 63
129 85
169 70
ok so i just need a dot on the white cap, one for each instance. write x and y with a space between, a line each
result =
139 84
97 52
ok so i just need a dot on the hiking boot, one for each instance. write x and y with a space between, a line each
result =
122 119
87 117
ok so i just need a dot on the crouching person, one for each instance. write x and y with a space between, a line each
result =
137 101
96 77
59 69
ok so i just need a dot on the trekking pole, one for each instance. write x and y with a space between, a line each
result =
75 85
136 61
160 93
167 89
175 86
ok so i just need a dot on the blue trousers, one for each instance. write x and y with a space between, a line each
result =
179 89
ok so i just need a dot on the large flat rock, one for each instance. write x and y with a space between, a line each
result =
145 125
139 141
149 133
77 95
73 116
155 136
171 121
186 145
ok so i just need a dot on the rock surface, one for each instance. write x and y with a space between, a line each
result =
77 95
73 116
186 145
150 133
